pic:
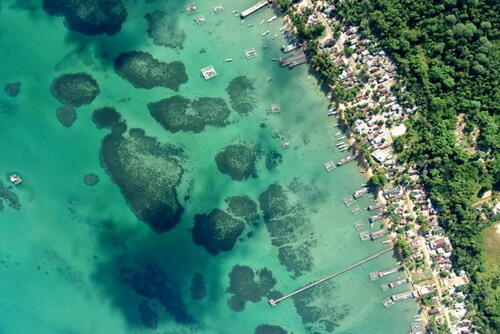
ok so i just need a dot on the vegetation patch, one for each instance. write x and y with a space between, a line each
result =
178 113
89 17
247 286
144 71
12 89
105 117
269 329
66 115
163 30
244 208
217 231
75 89
8 196
91 179
198 288
288 225
316 309
241 92
147 174
238 161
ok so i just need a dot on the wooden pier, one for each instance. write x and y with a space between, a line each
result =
274 302
254 8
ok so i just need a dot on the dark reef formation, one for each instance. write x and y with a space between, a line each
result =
89 17
66 115
238 161
9 197
90 179
12 89
147 174
273 159
163 30
217 231
144 71
75 89
198 288
269 329
316 309
287 223
150 281
244 208
105 117
148 315
241 91
247 286
178 113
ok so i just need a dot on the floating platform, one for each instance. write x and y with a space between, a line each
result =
359 225
329 166
15 179
356 210
376 206
254 8
364 236
285 144
378 234
218 9
348 200
346 160
403 296
191 8
294 59
275 108
201 20
376 218
208 72
288 48
250 53
358 193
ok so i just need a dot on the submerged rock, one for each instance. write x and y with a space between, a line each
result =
247 286
238 161
12 89
163 30
178 113
243 207
217 232
288 226
316 309
273 159
150 281
105 117
198 288
241 91
89 17
147 314
9 197
269 329
66 115
91 179
147 174
75 89
144 71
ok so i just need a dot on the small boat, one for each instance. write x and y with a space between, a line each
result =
227 60
340 144
283 28
332 109
15 179
270 79
338 133
262 22
274 59
331 113
235 12
274 17
250 25
265 33
340 138
275 35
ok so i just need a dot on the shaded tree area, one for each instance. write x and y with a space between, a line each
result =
448 55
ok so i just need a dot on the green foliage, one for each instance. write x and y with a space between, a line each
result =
448 53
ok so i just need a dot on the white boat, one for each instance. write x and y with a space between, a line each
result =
15 179
265 33
227 60
331 113
274 17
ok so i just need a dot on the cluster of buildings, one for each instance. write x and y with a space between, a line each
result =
403 204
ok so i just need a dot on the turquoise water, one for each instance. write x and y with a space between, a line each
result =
60 252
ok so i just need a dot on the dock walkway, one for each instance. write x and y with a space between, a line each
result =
274 302
254 8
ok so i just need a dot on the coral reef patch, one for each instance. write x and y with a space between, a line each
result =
90 179
105 117
144 71
12 89
198 288
163 30
66 115
178 113
238 161
75 89
241 92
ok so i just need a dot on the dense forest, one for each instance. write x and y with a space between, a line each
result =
447 52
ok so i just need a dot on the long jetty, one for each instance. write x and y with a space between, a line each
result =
274 302
254 8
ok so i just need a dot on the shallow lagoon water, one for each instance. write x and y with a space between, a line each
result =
75 259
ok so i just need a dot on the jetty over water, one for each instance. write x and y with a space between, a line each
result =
294 59
274 302
254 8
